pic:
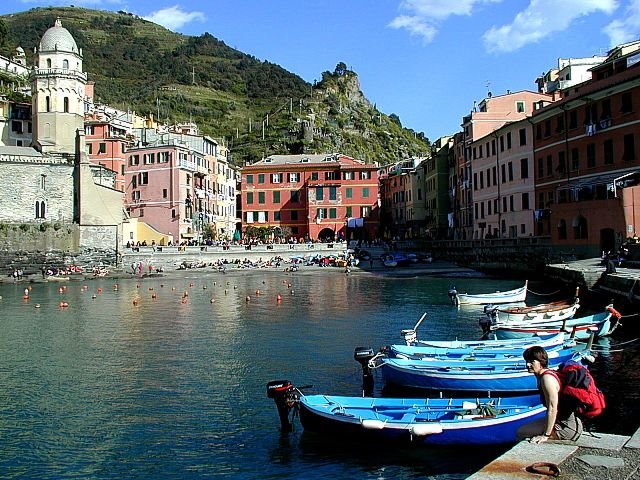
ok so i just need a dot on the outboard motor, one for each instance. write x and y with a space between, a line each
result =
489 319
362 355
286 398
410 336
453 296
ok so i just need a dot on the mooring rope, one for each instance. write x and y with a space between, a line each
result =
543 294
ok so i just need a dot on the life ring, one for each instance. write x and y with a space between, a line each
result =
614 312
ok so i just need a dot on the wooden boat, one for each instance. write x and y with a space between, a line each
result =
599 324
433 421
476 376
556 311
510 296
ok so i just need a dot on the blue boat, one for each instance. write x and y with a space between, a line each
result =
469 376
481 349
432 421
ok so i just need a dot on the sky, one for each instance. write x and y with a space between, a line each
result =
427 61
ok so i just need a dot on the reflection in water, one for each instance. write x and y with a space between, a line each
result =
106 388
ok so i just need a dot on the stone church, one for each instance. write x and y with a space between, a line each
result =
51 181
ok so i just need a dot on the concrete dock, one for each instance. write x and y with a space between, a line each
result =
593 456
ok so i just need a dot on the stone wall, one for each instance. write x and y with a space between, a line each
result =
25 183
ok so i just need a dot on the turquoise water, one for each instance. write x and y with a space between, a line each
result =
164 389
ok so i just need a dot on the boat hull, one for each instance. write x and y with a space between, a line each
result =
511 296
582 328
439 426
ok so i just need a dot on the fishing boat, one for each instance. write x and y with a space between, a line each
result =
549 312
599 324
432 421
470 376
510 296
490 350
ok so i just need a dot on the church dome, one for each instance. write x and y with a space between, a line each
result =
58 38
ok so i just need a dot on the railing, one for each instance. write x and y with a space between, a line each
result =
271 248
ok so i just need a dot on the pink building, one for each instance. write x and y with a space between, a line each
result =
107 143
166 187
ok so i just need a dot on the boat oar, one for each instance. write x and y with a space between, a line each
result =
424 315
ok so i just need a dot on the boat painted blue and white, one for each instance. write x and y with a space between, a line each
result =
470 376
432 421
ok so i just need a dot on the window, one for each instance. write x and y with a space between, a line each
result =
504 204
314 175
547 128
524 168
562 162
365 175
560 123
579 225
365 192
494 176
261 198
481 179
502 143
47 102
482 210
249 178
503 171
549 165
591 155
188 179
249 198
508 140
520 106
331 175
562 229
573 119
523 136
295 196
365 211
65 64
511 203
608 152
164 193
349 192
276 216
488 178
348 175
333 213
249 217
102 148
475 181
89 148
349 212
319 193
294 177
143 178
525 201
65 104
510 168
629 147
41 209
276 197
294 215
333 193
575 159
141 212
261 178
173 213
134 181
627 105
48 63
276 178
489 207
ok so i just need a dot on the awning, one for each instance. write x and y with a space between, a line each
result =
187 235
596 179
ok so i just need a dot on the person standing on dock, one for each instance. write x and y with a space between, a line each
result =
559 423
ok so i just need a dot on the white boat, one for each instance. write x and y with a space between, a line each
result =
540 315
510 296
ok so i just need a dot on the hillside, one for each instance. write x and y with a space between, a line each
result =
256 107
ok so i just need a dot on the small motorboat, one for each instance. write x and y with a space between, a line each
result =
510 296
432 421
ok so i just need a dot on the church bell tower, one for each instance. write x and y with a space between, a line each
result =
57 83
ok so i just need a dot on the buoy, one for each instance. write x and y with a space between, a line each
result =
248 299
173 289
235 287
213 300
63 304
258 292
61 290
26 297
30 288
154 296
136 302
204 287
37 305
215 283
138 285
185 294
279 298
191 285
289 285
94 296
291 292
184 299
162 285
99 289
115 287
26 292
225 291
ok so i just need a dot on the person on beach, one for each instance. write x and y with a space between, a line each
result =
561 422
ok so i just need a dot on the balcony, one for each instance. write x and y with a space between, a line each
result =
187 165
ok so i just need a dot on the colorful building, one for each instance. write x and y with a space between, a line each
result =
587 159
311 197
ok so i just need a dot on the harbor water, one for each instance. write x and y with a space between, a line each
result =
143 382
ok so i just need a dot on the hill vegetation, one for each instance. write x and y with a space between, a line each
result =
255 107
